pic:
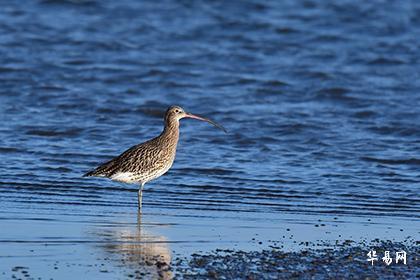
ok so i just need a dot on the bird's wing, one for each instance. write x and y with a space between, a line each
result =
137 158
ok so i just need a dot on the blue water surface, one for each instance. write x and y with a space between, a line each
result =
320 98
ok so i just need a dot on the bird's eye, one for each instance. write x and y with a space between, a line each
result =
177 111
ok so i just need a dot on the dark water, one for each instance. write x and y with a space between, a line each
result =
321 101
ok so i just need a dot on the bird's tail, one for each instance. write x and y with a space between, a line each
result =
90 173
101 171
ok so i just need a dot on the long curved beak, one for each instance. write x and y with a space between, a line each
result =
188 115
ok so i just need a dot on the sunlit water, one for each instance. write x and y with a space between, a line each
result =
321 102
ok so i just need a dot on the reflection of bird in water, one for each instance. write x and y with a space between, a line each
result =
148 256
151 159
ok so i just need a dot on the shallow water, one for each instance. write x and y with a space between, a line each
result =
320 100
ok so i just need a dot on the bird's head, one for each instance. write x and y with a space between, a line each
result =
175 113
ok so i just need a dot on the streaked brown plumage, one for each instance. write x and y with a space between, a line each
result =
151 159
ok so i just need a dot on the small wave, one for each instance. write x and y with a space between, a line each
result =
386 61
71 2
397 129
215 171
409 161
287 30
54 132
336 94
364 114
8 150
57 169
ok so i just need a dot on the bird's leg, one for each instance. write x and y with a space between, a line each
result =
139 215
140 196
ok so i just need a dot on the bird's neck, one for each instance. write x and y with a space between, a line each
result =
171 130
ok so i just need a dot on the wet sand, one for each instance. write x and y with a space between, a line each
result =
166 245
347 260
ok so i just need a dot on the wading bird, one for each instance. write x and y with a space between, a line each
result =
151 159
